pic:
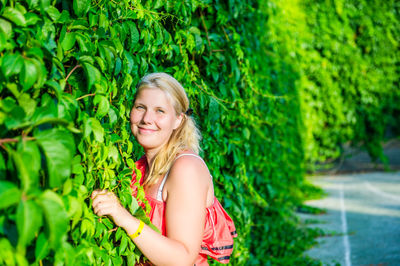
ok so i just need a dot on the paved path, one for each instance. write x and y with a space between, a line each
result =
362 219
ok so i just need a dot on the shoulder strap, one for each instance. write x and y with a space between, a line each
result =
161 187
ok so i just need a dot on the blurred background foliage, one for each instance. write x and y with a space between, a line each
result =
278 88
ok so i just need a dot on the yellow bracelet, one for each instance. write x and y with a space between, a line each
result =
138 231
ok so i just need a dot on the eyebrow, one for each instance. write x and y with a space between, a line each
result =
140 103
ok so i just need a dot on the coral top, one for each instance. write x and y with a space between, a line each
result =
219 229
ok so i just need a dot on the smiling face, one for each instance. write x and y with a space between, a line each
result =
153 119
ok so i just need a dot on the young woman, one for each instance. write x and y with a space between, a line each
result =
177 182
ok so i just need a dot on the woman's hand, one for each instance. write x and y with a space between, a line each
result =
105 203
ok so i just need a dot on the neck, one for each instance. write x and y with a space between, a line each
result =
150 155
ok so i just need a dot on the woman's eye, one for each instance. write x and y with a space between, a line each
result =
160 111
139 107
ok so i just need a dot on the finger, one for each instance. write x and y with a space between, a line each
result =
103 209
95 193
98 192
105 200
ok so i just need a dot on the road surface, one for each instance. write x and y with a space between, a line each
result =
362 219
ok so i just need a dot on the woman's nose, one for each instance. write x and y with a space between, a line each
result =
147 117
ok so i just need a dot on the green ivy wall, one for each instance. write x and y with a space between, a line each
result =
252 70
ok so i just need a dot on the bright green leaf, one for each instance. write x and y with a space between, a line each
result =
23 173
28 75
2 167
6 27
30 155
98 130
134 33
9 194
53 13
3 40
68 41
41 247
103 105
81 7
11 64
55 216
31 19
92 74
14 15
29 220
59 148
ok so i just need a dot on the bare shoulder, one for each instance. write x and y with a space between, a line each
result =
189 170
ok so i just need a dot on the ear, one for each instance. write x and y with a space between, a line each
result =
178 121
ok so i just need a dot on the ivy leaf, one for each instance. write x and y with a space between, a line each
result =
81 7
44 4
23 173
32 3
55 216
103 105
112 115
29 220
213 111
58 146
9 194
133 32
42 247
68 41
15 16
53 13
3 40
2 167
98 130
28 75
6 27
92 74
11 64
30 156
123 244
31 19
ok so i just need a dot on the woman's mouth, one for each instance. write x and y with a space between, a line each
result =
146 130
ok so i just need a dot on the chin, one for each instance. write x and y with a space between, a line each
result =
148 143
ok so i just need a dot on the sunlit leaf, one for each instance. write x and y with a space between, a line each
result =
29 220
14 15
58 147
11 64
29 73
81 7
41 247
9 194
56 217
92 74
68 41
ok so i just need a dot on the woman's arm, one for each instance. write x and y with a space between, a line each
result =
186 189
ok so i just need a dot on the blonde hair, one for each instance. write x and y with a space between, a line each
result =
185 137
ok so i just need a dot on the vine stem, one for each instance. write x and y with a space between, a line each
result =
211 94
69 74
226 35
205 28
8 140
84 96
